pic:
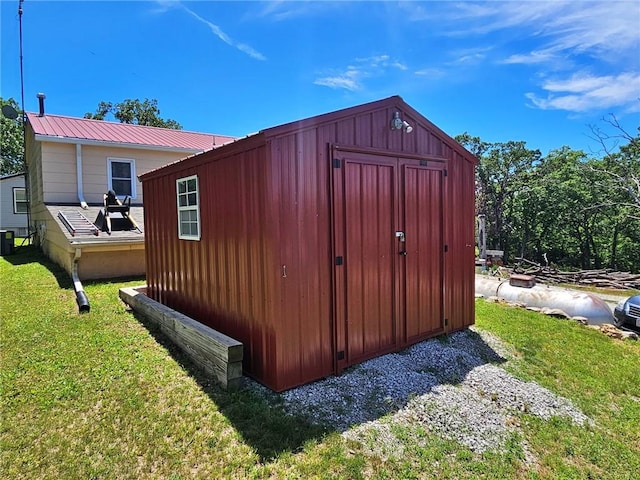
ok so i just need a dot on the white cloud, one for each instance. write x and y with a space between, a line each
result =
471 58
583 92
380 62
468 56
339 81
352 76
164 5
562 36
430 72
280 10
600 28
250 51
531 58
214 28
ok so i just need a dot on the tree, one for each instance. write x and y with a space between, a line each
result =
621 169
501 182
618 174
567 229
11 140
134 112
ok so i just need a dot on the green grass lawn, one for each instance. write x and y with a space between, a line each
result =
103 395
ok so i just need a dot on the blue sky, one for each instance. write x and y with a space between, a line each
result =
536 71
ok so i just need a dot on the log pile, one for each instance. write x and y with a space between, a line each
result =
602 278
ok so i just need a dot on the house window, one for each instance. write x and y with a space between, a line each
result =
188 198
122 176
20 200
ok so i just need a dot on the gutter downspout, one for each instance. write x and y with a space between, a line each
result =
83 204
81 298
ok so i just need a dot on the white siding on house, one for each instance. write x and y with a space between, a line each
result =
34 154
94 167
59 180
60 183
9 220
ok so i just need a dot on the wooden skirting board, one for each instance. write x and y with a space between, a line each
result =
219 355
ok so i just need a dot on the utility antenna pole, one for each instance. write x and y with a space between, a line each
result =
24 129
21 58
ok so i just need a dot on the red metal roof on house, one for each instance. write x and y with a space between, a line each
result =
73 128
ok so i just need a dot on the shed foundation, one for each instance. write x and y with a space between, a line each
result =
219 355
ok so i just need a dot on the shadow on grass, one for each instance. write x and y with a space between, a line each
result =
276 423
31 254
257 415
26 254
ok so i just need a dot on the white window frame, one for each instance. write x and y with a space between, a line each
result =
188 208
16 202
130 161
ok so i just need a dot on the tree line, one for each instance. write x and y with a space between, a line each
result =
566 208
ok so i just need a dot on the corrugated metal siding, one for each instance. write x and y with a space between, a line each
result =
460 238
423 190
227 279
242 270
305 334
161 240
370 256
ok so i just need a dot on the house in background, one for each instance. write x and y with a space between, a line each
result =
13 204
72 162
320 243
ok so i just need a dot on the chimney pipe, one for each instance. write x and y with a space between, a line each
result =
41 97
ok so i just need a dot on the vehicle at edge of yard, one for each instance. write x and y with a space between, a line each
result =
627 312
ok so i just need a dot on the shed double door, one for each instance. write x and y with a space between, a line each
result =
388 228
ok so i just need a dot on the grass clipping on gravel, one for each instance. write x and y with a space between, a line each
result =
104 395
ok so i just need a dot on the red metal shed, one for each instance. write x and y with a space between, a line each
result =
319 243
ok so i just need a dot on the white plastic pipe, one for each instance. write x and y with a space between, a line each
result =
83 204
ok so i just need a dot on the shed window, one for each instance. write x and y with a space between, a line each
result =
19 200
122 176
188 198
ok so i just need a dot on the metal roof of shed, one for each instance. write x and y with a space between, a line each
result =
66 129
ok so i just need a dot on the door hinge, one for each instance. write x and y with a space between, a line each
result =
424 163
446 248
340 355
446 322
337 163
339 260
445 172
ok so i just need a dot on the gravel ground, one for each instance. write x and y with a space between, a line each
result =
451 386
